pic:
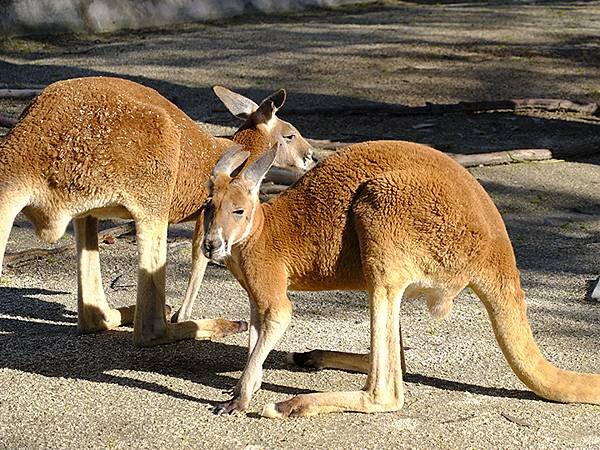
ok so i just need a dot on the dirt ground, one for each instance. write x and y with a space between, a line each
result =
60 390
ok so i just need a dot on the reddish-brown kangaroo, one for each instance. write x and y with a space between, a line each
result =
93 148
395 219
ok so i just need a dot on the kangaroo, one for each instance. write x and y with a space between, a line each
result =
395 219
100 147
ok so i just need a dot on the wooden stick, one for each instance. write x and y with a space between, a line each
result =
19 93
19 259
7 122
549 104
504 157
325 143
271 188
279 175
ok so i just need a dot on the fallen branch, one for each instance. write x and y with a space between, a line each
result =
504 157
515 420
271 188
279 175
460 419
326 143
548 104
19 93
116 284
7 122
19 259
117 231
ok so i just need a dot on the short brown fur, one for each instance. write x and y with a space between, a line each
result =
101 147
394 219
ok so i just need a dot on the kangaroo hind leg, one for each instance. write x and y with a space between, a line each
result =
329 359
94 313
384 390
150 324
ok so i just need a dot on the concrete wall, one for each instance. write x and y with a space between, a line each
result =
43 16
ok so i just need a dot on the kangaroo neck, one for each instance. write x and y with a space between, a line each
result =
254 140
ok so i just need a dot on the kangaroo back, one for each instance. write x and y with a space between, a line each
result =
99 144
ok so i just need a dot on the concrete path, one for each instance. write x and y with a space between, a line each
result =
60 390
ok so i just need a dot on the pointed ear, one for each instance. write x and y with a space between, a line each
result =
255 172
277 97
270 106
231 162
237 104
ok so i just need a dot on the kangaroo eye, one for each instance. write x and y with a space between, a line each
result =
238 212
289 137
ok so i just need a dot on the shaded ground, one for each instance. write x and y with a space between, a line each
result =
395 52
60 390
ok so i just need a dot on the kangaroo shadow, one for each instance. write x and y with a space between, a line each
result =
49 345
39 336
449 385
22 303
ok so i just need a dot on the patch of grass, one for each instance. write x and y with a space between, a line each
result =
537 199
567 226
51 260
21 45
4 281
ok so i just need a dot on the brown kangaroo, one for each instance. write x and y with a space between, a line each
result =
395 219
93 148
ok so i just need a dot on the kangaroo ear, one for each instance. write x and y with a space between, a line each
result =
255 172
231 162
277 97
237 104
269 106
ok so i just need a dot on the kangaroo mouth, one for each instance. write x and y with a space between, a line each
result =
216 254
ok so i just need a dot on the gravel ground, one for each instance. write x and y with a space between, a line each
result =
60 390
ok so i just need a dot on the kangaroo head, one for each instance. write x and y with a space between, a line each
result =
233 200
261 125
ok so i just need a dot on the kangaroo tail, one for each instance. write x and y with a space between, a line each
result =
504 300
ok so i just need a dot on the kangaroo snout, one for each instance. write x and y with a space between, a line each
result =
214 248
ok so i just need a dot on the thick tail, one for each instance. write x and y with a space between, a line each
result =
505 304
